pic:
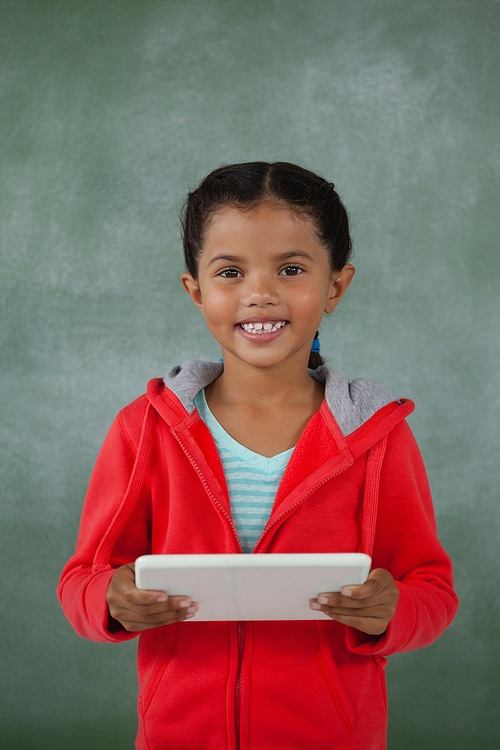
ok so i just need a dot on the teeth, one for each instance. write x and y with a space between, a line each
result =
262 327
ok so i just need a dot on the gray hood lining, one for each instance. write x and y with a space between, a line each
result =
352 403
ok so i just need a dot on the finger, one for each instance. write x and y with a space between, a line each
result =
160 608
156 621
152 599
338 600
347 607
158 617
144 616
375 611
367 622
143 598
370 625
376 582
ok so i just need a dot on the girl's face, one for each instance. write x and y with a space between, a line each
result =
263 284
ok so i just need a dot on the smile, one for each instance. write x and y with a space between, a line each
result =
261 328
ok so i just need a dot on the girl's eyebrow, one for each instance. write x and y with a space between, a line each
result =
294 254
229 258
279 257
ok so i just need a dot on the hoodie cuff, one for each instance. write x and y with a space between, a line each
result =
398 633
98 613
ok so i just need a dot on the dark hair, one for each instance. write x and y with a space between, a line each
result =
248 185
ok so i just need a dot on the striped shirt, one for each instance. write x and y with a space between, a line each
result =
252 479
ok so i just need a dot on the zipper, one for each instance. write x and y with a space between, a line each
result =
209 492
237 689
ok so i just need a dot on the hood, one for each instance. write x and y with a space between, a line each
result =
352 403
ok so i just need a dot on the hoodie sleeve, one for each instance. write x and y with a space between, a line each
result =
406 544
82 587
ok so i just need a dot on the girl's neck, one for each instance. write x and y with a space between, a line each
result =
256 388
264 409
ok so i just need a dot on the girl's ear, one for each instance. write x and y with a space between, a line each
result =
192 288
339 284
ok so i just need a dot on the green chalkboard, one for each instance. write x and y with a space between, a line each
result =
110 110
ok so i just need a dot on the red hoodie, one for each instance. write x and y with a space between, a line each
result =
158 487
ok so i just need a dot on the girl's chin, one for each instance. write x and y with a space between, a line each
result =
267 357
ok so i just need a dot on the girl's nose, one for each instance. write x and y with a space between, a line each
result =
260 290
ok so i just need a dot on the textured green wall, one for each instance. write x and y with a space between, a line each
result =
109 111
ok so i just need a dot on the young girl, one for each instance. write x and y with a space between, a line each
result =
268 451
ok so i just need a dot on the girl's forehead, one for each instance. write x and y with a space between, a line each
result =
271 220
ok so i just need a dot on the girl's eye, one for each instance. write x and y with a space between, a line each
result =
230 273
292 271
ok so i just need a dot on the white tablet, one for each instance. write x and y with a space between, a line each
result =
252 587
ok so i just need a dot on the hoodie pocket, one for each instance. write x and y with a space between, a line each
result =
295 697
157 647
183 702
330 673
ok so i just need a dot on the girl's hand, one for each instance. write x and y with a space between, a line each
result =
369 607
137 610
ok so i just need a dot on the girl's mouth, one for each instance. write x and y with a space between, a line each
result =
260 328
264 331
